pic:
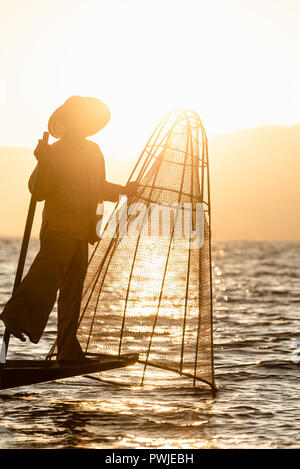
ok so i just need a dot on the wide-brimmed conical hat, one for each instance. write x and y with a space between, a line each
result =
79 115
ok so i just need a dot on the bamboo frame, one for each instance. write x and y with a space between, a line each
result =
196 151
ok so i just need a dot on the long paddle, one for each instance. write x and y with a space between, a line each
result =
23 253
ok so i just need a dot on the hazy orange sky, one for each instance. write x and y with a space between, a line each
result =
235 62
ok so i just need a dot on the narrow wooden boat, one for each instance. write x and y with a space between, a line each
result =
15 373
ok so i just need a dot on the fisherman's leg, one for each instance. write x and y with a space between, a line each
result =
68 306
31 304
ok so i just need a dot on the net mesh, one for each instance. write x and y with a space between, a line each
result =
148 285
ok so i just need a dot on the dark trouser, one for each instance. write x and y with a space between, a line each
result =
60 265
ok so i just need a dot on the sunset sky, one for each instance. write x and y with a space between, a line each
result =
236 62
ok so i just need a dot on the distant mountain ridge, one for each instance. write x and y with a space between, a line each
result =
254 184
255 188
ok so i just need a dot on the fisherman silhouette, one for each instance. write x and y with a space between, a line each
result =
72 182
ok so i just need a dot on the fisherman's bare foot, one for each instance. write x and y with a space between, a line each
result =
34 341
18 334
15 329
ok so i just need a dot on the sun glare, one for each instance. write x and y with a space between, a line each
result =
145 59
145 69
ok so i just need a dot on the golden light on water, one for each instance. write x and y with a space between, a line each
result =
164 443
234 63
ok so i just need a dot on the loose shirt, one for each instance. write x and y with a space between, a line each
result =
71 179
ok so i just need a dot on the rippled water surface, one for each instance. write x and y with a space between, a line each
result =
257 339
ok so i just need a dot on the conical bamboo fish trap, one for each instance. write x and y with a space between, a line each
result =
148 287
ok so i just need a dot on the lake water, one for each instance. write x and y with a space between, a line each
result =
257 355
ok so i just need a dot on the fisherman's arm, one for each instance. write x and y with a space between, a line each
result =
40 181
112 192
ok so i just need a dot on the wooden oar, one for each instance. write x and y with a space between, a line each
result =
23 253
